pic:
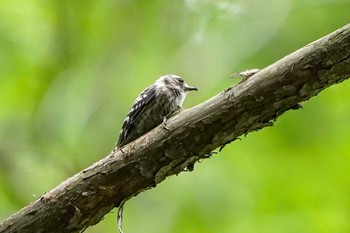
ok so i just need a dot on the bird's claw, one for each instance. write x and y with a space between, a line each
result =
165 120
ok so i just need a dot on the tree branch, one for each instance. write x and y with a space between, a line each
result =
193 134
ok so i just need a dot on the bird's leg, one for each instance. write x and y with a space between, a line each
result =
172 113
164 123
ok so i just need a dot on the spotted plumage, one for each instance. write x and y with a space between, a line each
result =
152 106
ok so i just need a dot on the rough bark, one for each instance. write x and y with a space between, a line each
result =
193 134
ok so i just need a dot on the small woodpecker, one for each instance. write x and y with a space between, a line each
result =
153 106
150 109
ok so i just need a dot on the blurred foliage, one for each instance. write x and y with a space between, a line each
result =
70 70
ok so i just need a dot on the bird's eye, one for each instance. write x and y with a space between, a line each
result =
180 80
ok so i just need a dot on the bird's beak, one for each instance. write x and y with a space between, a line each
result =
189 88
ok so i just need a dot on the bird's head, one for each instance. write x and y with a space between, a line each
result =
174 82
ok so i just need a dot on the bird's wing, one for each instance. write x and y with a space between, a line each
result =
140 104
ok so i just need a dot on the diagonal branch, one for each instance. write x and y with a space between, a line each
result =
193 134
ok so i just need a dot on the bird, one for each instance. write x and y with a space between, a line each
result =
154 106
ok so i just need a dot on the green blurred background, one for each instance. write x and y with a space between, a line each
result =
70 70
